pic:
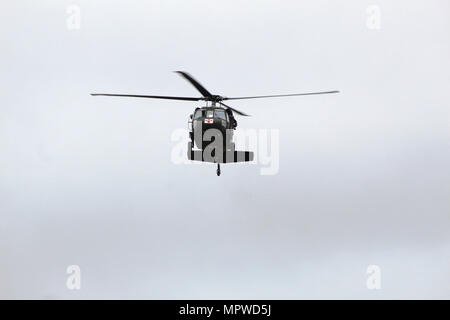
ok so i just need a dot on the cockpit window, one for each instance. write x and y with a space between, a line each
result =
220 114
217 113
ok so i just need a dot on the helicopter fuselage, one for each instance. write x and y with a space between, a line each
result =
209 123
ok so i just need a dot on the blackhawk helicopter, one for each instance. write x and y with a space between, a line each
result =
211 126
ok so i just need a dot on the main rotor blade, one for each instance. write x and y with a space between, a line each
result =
141 96
235 110
195 83
281 95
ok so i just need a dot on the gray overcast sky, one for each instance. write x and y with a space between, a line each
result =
364 175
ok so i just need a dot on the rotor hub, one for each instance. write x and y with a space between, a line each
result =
214 98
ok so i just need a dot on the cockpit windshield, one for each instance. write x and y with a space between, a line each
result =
218 113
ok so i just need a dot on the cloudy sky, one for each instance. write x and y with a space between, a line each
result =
363 179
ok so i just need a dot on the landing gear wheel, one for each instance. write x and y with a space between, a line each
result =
218 169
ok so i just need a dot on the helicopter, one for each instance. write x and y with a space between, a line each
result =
211 126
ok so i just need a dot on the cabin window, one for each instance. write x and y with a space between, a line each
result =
209 114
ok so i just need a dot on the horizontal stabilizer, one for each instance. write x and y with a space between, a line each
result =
226 157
